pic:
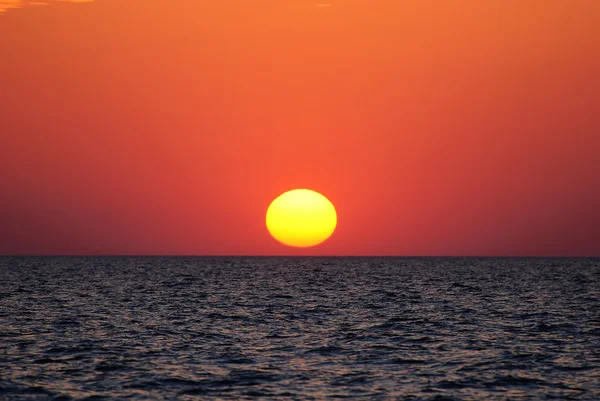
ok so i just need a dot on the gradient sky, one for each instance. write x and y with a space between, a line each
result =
167 127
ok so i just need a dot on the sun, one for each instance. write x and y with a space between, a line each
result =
301 218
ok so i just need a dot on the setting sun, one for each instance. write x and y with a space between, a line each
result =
301 218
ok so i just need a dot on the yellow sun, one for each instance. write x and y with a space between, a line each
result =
301 218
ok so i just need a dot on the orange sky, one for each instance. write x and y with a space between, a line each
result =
166 127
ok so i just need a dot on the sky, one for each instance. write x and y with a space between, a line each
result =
458 127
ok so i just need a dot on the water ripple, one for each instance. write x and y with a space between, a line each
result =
299 328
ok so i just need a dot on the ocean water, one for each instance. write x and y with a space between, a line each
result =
299 328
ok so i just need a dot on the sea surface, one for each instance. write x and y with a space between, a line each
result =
299 328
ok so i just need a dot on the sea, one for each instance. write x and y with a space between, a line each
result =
299 328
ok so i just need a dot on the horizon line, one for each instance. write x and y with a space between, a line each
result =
58 255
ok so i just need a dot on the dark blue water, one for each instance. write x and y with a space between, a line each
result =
299 328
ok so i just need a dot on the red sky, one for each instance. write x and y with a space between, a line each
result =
167 127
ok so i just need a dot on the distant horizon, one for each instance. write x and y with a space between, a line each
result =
307 256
